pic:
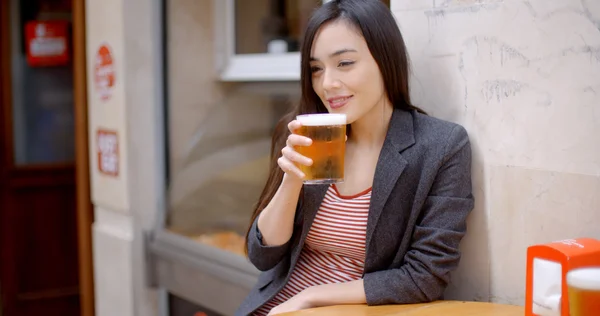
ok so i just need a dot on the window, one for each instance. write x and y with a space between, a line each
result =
217 182
259 40
220 133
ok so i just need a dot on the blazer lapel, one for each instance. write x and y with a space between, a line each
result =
390 165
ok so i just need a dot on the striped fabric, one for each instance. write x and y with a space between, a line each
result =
334 250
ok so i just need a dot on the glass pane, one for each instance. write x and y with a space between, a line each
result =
43 122
270 26
220 133
216 184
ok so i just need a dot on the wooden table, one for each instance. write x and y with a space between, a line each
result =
439 308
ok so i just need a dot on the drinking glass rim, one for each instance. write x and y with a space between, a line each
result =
322 119
585 278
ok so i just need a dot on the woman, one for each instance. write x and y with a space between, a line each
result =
390 233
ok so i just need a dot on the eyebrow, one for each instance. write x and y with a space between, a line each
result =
337 53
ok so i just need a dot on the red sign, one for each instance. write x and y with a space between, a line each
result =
47 43
104 72
107 147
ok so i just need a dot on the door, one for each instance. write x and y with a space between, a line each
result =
39 273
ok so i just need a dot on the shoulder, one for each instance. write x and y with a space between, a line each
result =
426 126
431 131
425 139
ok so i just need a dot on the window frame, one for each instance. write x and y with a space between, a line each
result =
247 67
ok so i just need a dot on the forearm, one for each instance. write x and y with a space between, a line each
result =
337 293
276 221
406 285
427 266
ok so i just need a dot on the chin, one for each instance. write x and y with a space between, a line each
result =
350 120
350 117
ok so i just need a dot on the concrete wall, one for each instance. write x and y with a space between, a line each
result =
523 76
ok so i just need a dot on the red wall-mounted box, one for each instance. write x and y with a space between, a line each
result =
47 43
547 267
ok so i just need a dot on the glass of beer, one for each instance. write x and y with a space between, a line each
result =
584 291
328 134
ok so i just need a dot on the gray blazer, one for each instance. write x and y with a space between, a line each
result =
420 201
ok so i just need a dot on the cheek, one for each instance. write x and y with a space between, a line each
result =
374 82
317 87
365 75
368 83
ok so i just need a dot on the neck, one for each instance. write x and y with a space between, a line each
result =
371 129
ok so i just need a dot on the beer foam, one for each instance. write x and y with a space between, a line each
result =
322 119
585 279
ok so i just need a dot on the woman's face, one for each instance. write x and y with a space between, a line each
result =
344 74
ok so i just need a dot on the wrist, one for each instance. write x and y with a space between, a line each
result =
291 182
311 295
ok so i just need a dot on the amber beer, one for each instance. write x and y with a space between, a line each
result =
328 134
584 291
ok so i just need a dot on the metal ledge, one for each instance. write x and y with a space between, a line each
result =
204 275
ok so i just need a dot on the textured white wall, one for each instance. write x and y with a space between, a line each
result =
524 78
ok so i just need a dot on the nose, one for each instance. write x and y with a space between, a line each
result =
330 80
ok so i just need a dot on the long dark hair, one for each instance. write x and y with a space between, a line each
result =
382 35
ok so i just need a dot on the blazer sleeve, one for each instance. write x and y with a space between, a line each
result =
434 250
266 257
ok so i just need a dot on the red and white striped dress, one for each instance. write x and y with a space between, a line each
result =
334 251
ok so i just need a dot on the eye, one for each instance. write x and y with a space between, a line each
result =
314 69
345 63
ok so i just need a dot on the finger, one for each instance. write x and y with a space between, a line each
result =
294 156
298 140
294 125
346 139
289 167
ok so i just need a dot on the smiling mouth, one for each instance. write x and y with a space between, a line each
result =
337 103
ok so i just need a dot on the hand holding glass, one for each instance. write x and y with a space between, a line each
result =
328 134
